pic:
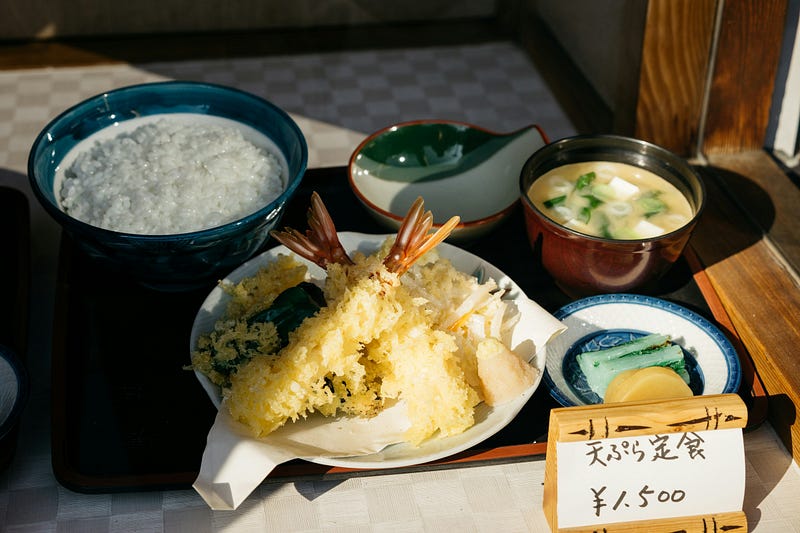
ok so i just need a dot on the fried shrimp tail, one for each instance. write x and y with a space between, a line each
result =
413 238
320 244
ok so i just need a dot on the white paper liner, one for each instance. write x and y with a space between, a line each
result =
234 463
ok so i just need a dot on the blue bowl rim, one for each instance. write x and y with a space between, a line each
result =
60 215
23 390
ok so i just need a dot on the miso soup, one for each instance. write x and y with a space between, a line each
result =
610 200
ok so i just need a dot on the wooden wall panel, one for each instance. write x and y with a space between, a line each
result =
748 52
673 72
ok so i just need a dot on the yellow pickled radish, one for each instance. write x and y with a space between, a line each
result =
617 387
651 383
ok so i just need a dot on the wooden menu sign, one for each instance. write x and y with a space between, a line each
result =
656 466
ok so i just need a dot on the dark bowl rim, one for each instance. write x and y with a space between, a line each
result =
463 224
23 390
527 203
292 183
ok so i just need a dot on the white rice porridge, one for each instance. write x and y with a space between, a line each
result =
167 174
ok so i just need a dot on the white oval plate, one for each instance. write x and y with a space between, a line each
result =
488 420
602 321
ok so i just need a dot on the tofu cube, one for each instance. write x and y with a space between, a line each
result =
622 189
647 229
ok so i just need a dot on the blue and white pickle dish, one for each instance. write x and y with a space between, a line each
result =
459 169
602 321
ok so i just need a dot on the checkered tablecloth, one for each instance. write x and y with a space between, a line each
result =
336 98
490 85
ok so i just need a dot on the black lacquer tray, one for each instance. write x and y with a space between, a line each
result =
128 416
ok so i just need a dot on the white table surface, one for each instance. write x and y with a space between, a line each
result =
336 99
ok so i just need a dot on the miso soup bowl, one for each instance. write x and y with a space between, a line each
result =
582 264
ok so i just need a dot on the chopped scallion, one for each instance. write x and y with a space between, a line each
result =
584 180
594 201
555 201
651 204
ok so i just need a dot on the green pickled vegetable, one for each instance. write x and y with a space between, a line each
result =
600 367
626 348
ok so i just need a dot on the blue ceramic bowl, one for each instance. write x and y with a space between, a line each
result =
178 261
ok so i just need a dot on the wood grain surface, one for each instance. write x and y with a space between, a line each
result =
673 72
758 288
763 190
685 524
746 63
632 419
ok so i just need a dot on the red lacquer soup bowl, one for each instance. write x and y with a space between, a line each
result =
583 264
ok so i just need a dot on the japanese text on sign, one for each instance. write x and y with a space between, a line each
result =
649 476
651 447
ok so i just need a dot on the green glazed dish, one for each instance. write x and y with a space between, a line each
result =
457 168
